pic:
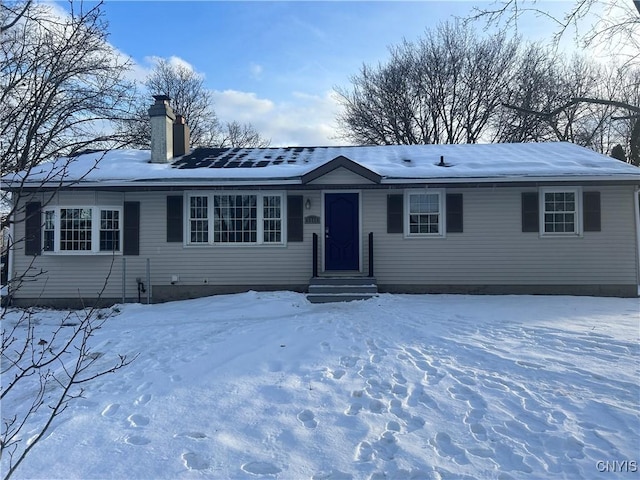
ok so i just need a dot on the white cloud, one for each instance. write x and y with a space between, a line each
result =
241 106
256 70
174 61
140 70
305 120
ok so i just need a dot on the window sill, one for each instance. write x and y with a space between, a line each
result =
80 253
237 244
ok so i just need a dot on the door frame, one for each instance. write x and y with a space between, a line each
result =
322 228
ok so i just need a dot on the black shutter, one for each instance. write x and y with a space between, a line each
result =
530 213
174 218
33 229
591 211
131 225
454 213
295 219
395 213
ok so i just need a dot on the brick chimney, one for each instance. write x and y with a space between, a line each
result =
181 136
162 118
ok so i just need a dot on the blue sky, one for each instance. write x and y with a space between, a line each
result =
275 64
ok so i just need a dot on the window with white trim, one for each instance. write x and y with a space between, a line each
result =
82 230
199 219
272 218
560 212
236 218
424 214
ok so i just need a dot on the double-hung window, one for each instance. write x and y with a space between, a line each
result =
199 219
82 230
236 218
560 211
424 215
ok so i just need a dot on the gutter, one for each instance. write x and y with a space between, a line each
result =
283 181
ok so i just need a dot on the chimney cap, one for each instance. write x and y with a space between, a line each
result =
161 98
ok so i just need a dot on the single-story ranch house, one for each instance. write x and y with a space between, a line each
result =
535 218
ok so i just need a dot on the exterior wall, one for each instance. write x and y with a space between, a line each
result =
493 251
65 279
492 255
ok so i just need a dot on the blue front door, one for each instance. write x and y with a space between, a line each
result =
342 234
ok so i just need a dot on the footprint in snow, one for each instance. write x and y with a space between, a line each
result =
353 409
446 448
143 399
137 420
194 462
386 447
399 378
143 386
308 419
332 475
364 452
260 468
192 435
376 406
110 410
347 361
136 440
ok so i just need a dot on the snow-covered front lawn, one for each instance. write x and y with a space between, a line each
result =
427 386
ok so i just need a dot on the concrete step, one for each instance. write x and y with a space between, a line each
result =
343 281
342 297
335 288
341 289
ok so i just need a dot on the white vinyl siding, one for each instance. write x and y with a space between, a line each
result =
492 251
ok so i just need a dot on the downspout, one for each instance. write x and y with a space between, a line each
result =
10 258
636 202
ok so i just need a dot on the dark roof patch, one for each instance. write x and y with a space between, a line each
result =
243 157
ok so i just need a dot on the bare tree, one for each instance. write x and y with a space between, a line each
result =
234 134
579 102
611 110
191 99
445 88
615 23
10 15
62 85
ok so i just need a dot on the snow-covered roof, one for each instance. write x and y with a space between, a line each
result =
392 164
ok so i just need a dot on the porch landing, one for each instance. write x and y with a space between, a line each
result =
341 288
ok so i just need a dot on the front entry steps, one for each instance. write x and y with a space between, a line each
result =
341 289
